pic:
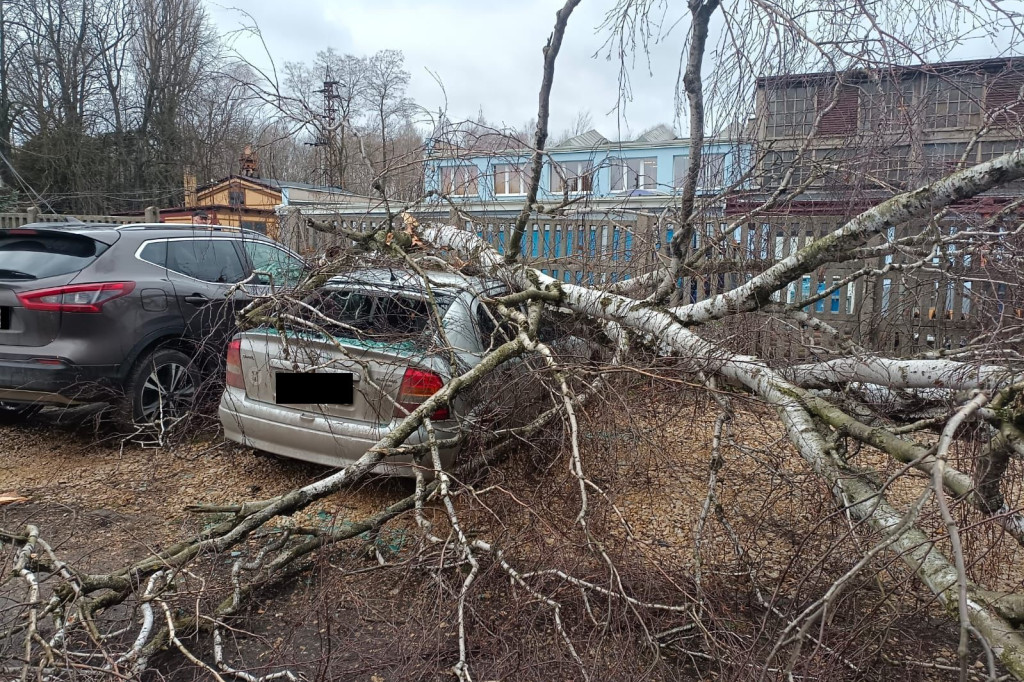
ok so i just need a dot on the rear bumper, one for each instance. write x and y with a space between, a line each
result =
63 384
315 438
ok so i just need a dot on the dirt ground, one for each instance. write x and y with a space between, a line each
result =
104 503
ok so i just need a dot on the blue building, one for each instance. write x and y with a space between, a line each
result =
603 210
588 169
603 207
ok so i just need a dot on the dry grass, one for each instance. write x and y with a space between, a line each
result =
648 449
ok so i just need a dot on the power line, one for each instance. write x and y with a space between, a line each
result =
24 183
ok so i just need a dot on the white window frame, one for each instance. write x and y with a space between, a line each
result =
572 174
460 183
508 170
644 176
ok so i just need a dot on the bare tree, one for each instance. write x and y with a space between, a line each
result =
899 470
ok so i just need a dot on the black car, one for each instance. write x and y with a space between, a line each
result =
132 315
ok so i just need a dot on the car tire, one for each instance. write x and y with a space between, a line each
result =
161 390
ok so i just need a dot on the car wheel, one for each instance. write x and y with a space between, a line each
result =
162 388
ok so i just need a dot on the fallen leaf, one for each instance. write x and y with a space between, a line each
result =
11 498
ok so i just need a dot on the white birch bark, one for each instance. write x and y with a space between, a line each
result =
905 374
861 496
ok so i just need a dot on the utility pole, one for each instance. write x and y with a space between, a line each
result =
325 133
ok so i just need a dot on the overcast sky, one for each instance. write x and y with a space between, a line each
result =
488 54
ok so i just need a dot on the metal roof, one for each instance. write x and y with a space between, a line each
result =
659 133
277 184
589 139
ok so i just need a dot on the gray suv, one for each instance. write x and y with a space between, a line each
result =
134 315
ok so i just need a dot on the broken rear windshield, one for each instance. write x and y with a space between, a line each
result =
374 315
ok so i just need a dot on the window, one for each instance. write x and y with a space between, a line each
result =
630 174
281 268
851 297
952 103
509 179
26 255
679 164
572 176
834 301
236 197
886 295
965 302
941 159
819 305
886 105
842 165
889 165
209 260
375 317
712 171
790 111
991 150
459 181
494 331
155 253
255 226
776 164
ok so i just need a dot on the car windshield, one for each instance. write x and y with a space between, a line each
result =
25 255
375 316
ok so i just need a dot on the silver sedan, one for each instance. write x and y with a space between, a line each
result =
328 395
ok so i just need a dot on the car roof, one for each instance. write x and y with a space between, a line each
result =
108 233
103 232
398 278
178 228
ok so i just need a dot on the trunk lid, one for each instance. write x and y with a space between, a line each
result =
377 369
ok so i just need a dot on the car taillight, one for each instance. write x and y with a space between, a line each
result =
76 298
417 386
233 376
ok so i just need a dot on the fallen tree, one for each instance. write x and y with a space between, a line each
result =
892 482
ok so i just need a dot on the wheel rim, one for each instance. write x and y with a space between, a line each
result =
167 393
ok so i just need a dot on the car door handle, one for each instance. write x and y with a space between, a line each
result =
197 299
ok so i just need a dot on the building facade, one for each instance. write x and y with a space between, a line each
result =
851 140
248 203
601 206
597 172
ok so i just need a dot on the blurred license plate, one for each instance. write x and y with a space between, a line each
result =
5 317
307 388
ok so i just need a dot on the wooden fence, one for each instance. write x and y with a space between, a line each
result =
32 215
939 307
